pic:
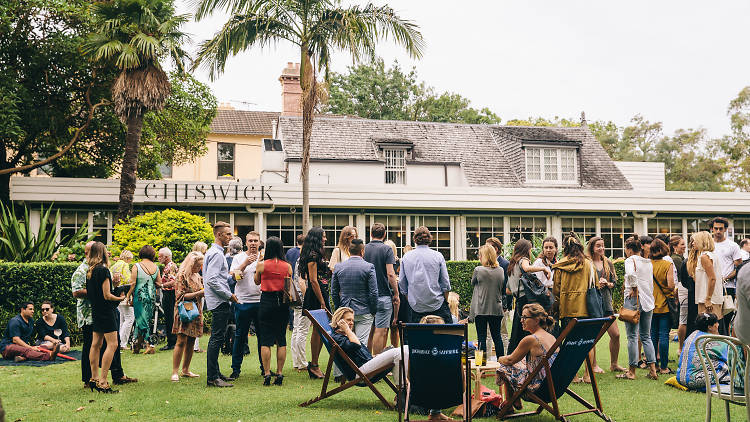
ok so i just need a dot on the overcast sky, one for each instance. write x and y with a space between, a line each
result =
679 62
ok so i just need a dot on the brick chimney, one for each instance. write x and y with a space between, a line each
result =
291 91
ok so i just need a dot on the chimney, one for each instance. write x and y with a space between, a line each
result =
225 106
291 91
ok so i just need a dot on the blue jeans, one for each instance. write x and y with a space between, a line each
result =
243 314
641 330
660 325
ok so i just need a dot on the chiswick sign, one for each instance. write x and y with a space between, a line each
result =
205 192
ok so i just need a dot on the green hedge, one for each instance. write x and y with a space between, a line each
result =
37 282
460 273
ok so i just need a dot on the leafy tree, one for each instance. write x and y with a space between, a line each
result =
541 121
317 27
374 92
176 230
735 148
48 94
135 36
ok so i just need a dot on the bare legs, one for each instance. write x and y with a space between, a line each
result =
265 355
681 332
315 346
109 352
183 347
614 348
379 338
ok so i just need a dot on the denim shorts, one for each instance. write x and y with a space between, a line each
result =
385 312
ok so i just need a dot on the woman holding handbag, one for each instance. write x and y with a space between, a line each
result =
664 291
188 292
638 307
703 265
271 275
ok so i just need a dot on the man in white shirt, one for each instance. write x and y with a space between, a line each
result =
745 248
248 300
729 256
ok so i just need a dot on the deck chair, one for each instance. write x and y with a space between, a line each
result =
574 343
436 375
321 321
732 392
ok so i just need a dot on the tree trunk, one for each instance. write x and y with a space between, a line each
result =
129 166
309 99
4 178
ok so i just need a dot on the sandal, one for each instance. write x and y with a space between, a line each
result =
105 388
617 368
666 371
175 378
624 376
189 374
652 377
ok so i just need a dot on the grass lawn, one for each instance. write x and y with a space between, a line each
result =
36 394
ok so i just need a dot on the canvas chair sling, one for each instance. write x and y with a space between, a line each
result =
320 318
582 336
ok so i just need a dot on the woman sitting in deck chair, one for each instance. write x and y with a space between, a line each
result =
515 368
342 323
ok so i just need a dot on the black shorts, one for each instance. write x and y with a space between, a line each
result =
273 318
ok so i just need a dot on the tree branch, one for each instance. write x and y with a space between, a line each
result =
66 148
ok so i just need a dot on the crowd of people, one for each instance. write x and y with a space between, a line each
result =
368 289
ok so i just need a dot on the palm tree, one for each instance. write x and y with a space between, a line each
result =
134 36
317 27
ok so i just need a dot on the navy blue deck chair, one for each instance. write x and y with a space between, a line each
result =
436 375
321 321
575 342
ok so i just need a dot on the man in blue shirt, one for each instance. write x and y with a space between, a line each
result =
217 295
17 342
355 286
424 279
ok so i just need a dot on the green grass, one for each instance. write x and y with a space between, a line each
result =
55 392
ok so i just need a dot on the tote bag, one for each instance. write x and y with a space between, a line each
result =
594 301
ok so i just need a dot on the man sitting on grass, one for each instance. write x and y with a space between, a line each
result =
17 340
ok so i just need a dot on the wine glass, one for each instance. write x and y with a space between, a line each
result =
57 332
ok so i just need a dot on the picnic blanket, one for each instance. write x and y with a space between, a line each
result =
72 353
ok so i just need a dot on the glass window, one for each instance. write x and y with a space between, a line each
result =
395 226
695 225
287 226
395 166
166 170
440 227
668 226
243 224
225 159
527 227
584 226
101 225
614 231
741 229
553 165
213 217
71 221
478 230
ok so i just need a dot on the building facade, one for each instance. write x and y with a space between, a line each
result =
464 182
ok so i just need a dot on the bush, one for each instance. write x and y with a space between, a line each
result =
177 230
37 282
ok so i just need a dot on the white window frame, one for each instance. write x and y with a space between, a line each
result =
395 165
558 181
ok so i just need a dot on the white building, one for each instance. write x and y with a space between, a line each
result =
465 182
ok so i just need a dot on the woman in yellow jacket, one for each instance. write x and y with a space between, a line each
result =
570 281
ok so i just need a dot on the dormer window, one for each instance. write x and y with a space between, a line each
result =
395 166
551 165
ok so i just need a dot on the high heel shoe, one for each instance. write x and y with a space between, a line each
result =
310 372
279 379
266 380
105 388
92 384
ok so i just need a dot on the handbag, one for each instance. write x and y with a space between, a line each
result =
187 310
632 316
728 306
291 295
672 304
594 301
535 290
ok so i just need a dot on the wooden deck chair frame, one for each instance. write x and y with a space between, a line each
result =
403 414
360 378
731 395
553 407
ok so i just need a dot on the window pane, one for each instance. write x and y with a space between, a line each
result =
614 232
226 152
439 226
395 166
568 165
165 170
527 227
226 169
478 230
550 164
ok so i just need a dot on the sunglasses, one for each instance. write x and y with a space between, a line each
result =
46 309
523 317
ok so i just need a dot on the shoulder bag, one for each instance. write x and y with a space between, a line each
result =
672 304
188 311
632 316
728 306
594 301
291 295
535 290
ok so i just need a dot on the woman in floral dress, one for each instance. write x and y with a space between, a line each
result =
144 280
188 288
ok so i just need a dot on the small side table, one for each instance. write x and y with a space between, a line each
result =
477 372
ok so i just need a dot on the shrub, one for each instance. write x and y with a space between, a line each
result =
177 230
37 282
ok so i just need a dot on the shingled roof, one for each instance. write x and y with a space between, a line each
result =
489 155
243 122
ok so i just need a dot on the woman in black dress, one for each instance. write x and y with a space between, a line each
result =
103 304
314 268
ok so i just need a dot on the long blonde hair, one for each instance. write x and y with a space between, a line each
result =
488 256
390 243
186 268
702 242
97 255
453 300
200 247
345 239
